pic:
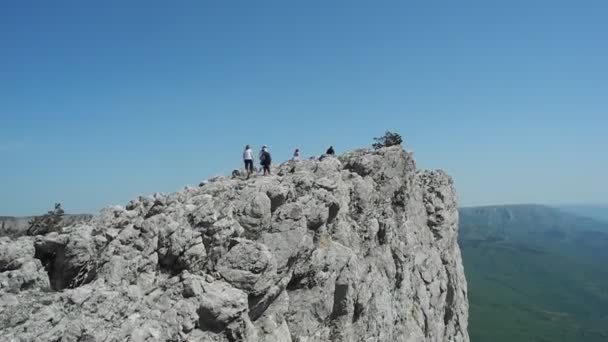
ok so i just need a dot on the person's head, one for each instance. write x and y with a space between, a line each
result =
247 147
264 148
297 150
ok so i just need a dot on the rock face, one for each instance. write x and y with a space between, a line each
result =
361 247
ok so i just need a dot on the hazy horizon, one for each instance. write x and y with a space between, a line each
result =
101 104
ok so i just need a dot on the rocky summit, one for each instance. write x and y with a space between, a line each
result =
359 247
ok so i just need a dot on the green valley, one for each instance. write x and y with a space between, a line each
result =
535 274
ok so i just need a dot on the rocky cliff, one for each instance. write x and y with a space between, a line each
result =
361 247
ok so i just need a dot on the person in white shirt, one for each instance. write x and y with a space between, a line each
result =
248 158
296 155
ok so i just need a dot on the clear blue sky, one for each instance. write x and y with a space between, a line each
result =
102 101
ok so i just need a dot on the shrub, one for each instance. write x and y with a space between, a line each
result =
389 139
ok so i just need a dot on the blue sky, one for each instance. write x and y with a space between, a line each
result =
101 102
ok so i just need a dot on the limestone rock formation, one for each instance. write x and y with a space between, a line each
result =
361 247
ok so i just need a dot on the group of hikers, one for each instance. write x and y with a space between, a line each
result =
266 158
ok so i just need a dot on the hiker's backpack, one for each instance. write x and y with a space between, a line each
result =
265 158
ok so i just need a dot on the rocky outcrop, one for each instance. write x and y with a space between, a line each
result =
361 247
17 226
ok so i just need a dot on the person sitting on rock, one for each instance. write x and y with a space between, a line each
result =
265 160
330 151
248 158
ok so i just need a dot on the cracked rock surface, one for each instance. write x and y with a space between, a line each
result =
360 247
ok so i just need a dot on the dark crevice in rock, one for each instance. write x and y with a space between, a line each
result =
276 200
301 281
52 261
28 284
340 307
255 309
399 198
449 303
86 338
208 322
84 275
61 273
334 208
236 332
314 224
426 324
398 269
358 311
168 269
258 304
436 233
381 235
8 266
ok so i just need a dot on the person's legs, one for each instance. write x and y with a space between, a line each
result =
249 166
266 170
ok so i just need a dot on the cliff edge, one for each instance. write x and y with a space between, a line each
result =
360 247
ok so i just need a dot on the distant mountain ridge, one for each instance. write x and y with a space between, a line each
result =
17 226
531 222
596 212
535 273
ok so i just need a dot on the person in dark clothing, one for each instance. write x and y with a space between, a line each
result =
265 160
330 151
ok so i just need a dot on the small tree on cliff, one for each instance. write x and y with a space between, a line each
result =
388 139
49 222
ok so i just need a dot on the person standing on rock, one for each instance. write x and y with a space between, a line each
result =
248 158
265 160
296 155
264 148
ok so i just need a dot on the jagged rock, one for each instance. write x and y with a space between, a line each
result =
19 270
360 247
